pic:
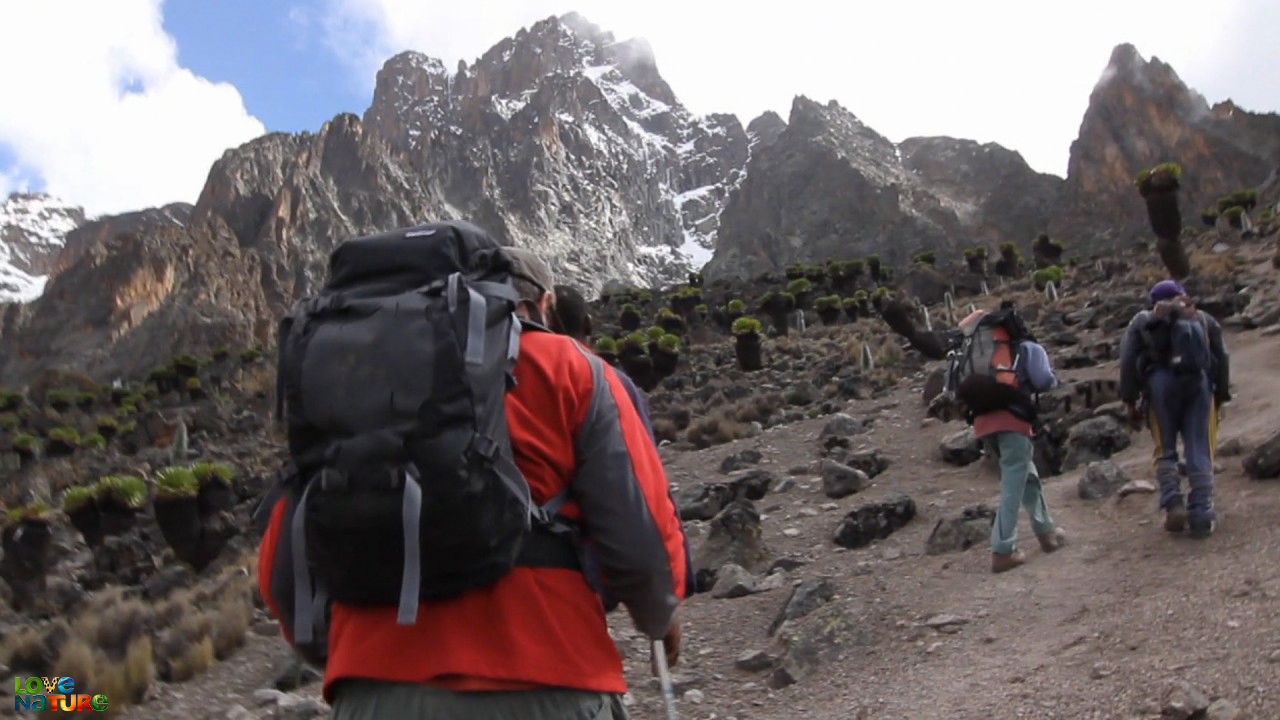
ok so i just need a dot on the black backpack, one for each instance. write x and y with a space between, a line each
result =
402 484
983 368
1180 344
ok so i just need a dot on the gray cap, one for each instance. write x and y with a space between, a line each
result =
529 267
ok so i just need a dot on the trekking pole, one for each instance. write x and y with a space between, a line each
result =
664 677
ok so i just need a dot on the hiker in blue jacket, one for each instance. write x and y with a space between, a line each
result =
1173 359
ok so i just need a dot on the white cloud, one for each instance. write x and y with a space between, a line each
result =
97 107
1014 72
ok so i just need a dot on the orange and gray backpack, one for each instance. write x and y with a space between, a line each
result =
984 373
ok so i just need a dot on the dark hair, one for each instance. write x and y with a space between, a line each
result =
570 316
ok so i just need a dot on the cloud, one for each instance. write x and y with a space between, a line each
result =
99 112
1005 71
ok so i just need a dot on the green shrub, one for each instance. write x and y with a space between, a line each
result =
1171 169
176 482
1233 213
669 342
737 306
882 292
665 313
606 345
8 421
1053 274
207 471
1246 199
85 400
849 302
222 352
193 383
978 251
106 422
635 341
9 400
746 325
249 355
65 435
654 333
94 441
150 392
128 490
799 285
162 374
1267 215
827 302
1009 250
795 271
26 443
126 410
700 308
34 510
77 496
928 257
60 399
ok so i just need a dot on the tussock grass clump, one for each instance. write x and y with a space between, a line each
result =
173 482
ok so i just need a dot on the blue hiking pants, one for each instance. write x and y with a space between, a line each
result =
1182 405
1019 487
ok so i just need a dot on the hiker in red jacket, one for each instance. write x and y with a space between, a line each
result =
534 644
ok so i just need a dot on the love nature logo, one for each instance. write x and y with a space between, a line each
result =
54 694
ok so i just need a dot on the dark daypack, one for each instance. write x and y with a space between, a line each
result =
392 381
1180 344
983 371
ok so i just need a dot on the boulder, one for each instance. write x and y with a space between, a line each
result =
733 581
1094 439
1183 701
740 460
1264 462
839 480
971 527
845 425
805 598
875 521
734 536
1101 480
961 448
751 484
703 502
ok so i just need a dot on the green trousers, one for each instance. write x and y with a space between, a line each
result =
373 700
1019 486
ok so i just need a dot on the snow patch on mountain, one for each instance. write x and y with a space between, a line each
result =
33 231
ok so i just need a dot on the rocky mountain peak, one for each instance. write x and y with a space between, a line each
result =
33 233
1141 114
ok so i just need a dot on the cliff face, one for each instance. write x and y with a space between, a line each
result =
825 185
1141 114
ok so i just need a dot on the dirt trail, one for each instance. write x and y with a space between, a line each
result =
1098 630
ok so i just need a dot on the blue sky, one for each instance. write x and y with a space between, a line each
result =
269 52
117 105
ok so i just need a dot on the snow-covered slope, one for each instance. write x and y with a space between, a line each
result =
33 231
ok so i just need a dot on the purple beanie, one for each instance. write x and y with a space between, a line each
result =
1166 289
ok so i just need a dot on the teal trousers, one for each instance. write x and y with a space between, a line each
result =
1019 487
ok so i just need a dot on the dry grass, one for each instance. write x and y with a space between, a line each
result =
184 660
665 429
1220 266
34 650
230 623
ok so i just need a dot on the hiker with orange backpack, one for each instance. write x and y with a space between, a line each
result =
994 374
1174 359
449 464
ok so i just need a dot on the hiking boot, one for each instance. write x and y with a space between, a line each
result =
1001 563
1200 531
1175 518
1052 540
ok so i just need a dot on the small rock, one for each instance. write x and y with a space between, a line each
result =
1274 657
792 532
740 460
267 628
1222 709
972 527
843 425
839 480
238 712
938 622
304 709
1134 487
1101 480
693 696
751 484
733 581
292 673
1264 462
807 597
1182 701
1100 671
875 521
961 448
755 661
268 696
776 581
